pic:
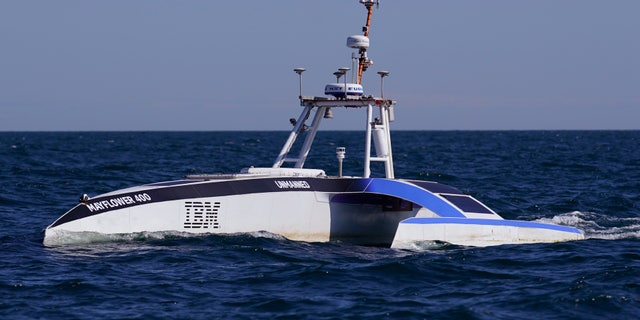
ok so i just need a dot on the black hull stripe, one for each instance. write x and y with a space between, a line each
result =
213 188
217 188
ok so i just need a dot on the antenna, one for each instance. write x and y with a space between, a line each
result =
338 74
382 74
354 60
299 71
344 70
364 61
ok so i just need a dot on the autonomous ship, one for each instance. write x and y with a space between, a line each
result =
306 204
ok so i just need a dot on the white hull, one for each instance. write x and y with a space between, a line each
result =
297 215
369 211
479 233
226 214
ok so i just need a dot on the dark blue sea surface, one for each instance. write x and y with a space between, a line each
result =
587 179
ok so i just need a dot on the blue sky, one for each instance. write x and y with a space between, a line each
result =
227 65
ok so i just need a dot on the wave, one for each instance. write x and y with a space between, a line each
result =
66 238
594 225
599 226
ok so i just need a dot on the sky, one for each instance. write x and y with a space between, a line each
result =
228 65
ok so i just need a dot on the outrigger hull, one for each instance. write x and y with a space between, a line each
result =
480 233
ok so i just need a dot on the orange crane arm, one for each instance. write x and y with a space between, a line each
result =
364 62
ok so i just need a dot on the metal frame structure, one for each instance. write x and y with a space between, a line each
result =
320 105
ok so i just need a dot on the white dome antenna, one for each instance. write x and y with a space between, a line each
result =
370 2
358 42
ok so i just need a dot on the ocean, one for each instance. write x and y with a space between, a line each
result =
586 179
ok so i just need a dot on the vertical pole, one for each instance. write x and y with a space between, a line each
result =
299 71
382 75
390 173
345 85
343 71
388 162
367 143
340 153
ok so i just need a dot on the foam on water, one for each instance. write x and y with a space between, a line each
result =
610 228
422 245
599 226
63 238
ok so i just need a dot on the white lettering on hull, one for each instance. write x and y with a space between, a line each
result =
118 202
292 184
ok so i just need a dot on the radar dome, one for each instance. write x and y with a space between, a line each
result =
358 42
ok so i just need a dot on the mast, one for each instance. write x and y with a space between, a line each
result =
363 61
349 96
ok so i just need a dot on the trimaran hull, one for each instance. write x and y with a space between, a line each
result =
367 211
306 204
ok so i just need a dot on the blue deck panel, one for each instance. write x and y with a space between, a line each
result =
414 194
492 222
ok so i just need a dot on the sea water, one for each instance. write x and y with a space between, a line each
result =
586 179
